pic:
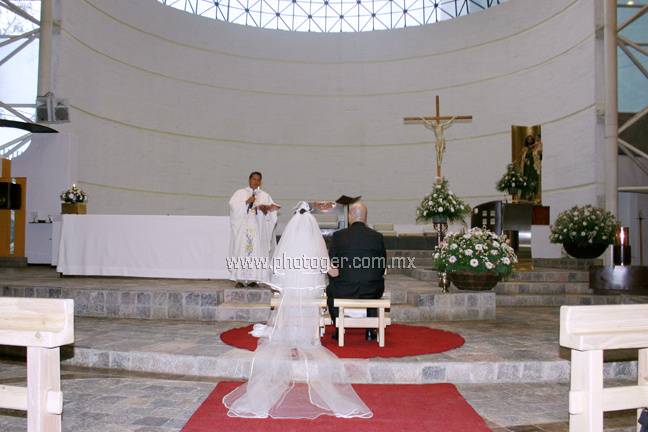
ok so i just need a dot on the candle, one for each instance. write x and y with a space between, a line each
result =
621 249
622 236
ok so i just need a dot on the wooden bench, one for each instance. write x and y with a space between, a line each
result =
379 322
325 318
588 331
41 325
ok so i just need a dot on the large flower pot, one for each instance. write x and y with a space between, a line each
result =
474 281
586 251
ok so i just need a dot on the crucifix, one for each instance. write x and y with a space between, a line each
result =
437 124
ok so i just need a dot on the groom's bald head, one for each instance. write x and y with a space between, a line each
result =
357 213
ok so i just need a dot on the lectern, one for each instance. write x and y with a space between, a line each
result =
332 216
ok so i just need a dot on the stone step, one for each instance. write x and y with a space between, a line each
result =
429 274
546 288
396 295
404 268
262 297
423 274
410 253
453 306
561 299
242 312
410 313
550 276
457 306
426 369
247 295
566 263
420 262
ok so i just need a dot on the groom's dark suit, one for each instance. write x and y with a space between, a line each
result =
359 252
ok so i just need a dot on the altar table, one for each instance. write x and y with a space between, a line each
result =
186 247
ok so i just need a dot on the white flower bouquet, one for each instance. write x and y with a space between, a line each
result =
584 226
442 204
512 180
475 251
73 195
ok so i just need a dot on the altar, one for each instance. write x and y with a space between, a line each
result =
187 247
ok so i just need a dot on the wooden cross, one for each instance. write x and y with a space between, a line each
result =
436 125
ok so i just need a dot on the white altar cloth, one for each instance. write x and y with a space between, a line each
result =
187 247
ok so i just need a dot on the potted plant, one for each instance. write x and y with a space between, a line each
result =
441 206
512 182
585 232
476 259
73 201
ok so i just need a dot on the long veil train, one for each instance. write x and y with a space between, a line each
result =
292 374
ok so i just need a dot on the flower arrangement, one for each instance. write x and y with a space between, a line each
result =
442 203
74 195
512 179
475 251
584 225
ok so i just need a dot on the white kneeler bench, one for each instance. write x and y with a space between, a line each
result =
588 331
325 319
43 326
380 322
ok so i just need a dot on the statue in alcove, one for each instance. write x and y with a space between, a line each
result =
527 154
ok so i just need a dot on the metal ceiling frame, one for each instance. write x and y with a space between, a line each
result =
16 146
627 45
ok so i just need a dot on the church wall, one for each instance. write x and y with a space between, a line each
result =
170 111
49 164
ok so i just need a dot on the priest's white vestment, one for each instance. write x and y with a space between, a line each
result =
252 239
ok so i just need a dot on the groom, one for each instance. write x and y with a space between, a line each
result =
358 258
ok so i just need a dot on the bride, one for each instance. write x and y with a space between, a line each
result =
292 374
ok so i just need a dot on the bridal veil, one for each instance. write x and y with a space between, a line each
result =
292 374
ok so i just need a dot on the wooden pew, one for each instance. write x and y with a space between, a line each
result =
379 322
588 331
41 325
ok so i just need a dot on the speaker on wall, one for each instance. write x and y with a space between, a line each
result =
10 196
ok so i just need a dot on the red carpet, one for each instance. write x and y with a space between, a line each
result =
405 407
400 341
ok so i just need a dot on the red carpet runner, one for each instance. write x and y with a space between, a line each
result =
404 407
400 341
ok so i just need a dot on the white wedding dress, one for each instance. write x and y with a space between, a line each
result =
292 374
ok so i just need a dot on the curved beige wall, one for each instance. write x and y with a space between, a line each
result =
171 111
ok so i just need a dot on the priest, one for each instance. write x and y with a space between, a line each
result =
253 217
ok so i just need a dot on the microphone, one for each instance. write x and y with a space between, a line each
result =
250 204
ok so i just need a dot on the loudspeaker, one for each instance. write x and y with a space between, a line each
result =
61 113
51 110
42 114
10 196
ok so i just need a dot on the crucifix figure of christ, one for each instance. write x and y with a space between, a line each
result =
437 124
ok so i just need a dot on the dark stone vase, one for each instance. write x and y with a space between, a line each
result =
585 251
474 281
